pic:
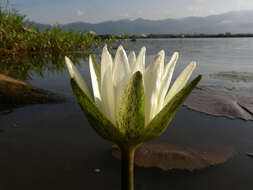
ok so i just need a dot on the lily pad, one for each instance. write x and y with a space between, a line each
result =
222 101
169 156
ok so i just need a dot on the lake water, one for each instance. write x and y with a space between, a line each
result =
52 146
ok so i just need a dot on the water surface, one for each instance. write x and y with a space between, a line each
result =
53 146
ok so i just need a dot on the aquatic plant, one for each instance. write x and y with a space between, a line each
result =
130 104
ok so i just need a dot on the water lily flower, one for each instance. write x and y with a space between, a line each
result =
131 104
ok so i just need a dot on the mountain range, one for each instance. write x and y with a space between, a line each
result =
233 22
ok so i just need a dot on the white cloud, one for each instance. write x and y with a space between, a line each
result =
79 12
226 22
139 12
199 1
195 10
199 11
242 4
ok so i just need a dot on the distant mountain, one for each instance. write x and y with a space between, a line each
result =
234 22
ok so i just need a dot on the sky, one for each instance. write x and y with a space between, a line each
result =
95 11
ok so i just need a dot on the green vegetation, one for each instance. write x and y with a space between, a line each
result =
19 40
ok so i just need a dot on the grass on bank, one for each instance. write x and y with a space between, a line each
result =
19 40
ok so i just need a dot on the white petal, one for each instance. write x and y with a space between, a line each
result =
95 83
69 66
107 90
106 61
140 62
162 53
74 74
180 82
166 79
107 95
121 64
132 60
121 73
152 84
172 61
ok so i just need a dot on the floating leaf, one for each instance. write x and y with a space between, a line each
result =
222 101
169 156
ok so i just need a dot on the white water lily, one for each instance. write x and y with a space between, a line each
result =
131 104
115 74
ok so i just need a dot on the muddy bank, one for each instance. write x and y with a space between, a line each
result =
15 93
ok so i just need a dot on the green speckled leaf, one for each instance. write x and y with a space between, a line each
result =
97 120
161 121
131 112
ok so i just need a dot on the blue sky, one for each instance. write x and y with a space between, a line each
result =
65 11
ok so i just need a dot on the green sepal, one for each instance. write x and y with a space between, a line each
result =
161 121
96 119
131 111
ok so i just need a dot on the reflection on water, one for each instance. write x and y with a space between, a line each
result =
1 125
212 56
38 66
53 146
233 76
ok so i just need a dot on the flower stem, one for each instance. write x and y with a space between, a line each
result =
127 168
